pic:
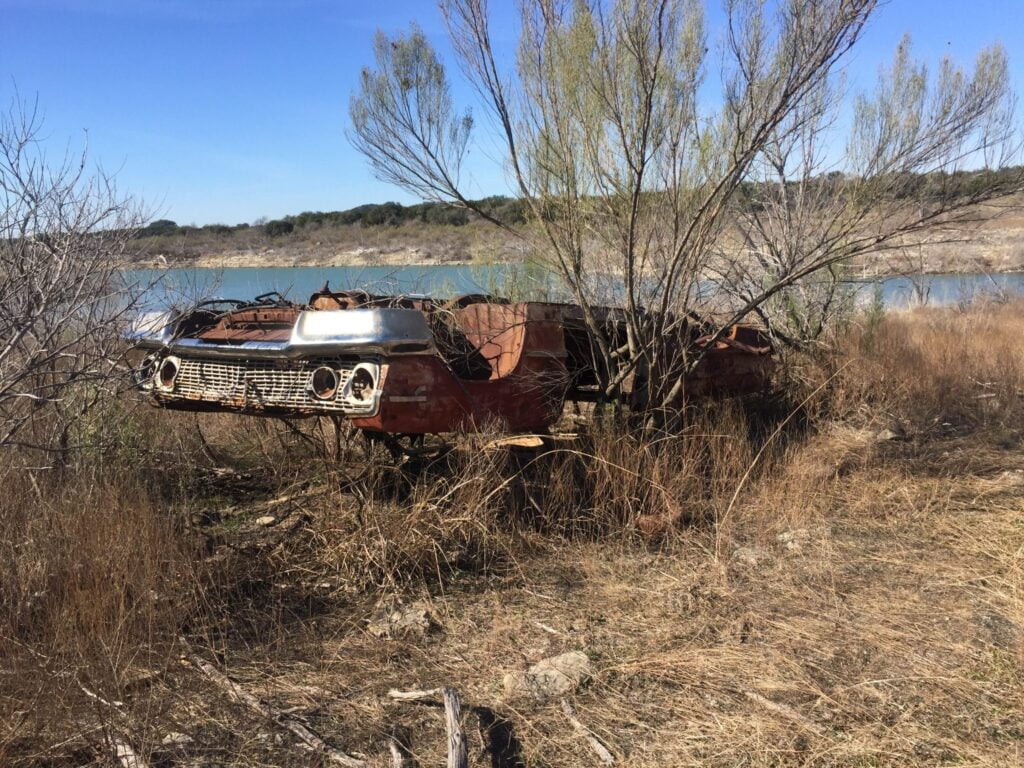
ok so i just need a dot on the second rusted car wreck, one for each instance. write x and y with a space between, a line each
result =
408 365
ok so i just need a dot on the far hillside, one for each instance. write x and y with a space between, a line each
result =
384 233
392 234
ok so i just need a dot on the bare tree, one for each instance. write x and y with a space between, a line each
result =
628 167
63 301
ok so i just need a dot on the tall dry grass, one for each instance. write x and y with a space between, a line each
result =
103 564
930 369
151 533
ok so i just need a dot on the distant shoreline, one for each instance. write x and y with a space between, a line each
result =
216 263
409 258
996 247
272 259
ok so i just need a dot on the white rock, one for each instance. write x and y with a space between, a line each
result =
554 676
1012 477
266 520
752 556
888 435
795 539
397 620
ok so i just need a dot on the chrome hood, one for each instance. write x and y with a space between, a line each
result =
316 332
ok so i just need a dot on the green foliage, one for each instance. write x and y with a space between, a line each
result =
388 213
392 214
514 211
108 433
159 227
411 87
278 227
508 210
446 216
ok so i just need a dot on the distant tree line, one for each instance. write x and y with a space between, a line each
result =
512 211
388 214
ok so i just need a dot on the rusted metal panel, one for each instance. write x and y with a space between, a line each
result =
406 365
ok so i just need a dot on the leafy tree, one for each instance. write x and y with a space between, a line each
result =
627 164
159 227
446 215
278 227
390 214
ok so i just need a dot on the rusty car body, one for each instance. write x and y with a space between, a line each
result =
409 365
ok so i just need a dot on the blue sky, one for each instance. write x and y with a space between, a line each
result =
228 110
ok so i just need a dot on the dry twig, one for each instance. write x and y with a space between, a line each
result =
603 754
125 755
785 711
240 695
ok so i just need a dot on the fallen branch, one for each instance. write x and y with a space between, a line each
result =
100 699
602 751
549 629
430 694
397 758
458 755
787 712
122 751
238 694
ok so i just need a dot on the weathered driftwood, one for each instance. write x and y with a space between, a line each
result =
400 746
397 756
429 694
120 748
458 755
603 754
238 694
96 697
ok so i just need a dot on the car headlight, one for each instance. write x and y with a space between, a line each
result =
362 383
323 383
144 373
168 372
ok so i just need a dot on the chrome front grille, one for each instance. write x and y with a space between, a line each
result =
262 383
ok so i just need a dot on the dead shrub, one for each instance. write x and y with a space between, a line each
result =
95 581
486 504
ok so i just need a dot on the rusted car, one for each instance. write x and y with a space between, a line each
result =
408 365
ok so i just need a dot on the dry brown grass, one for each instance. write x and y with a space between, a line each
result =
858 602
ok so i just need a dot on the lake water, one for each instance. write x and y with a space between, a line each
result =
298 283
182 286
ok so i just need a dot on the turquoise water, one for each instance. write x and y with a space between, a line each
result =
297 283
945 289
183 286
